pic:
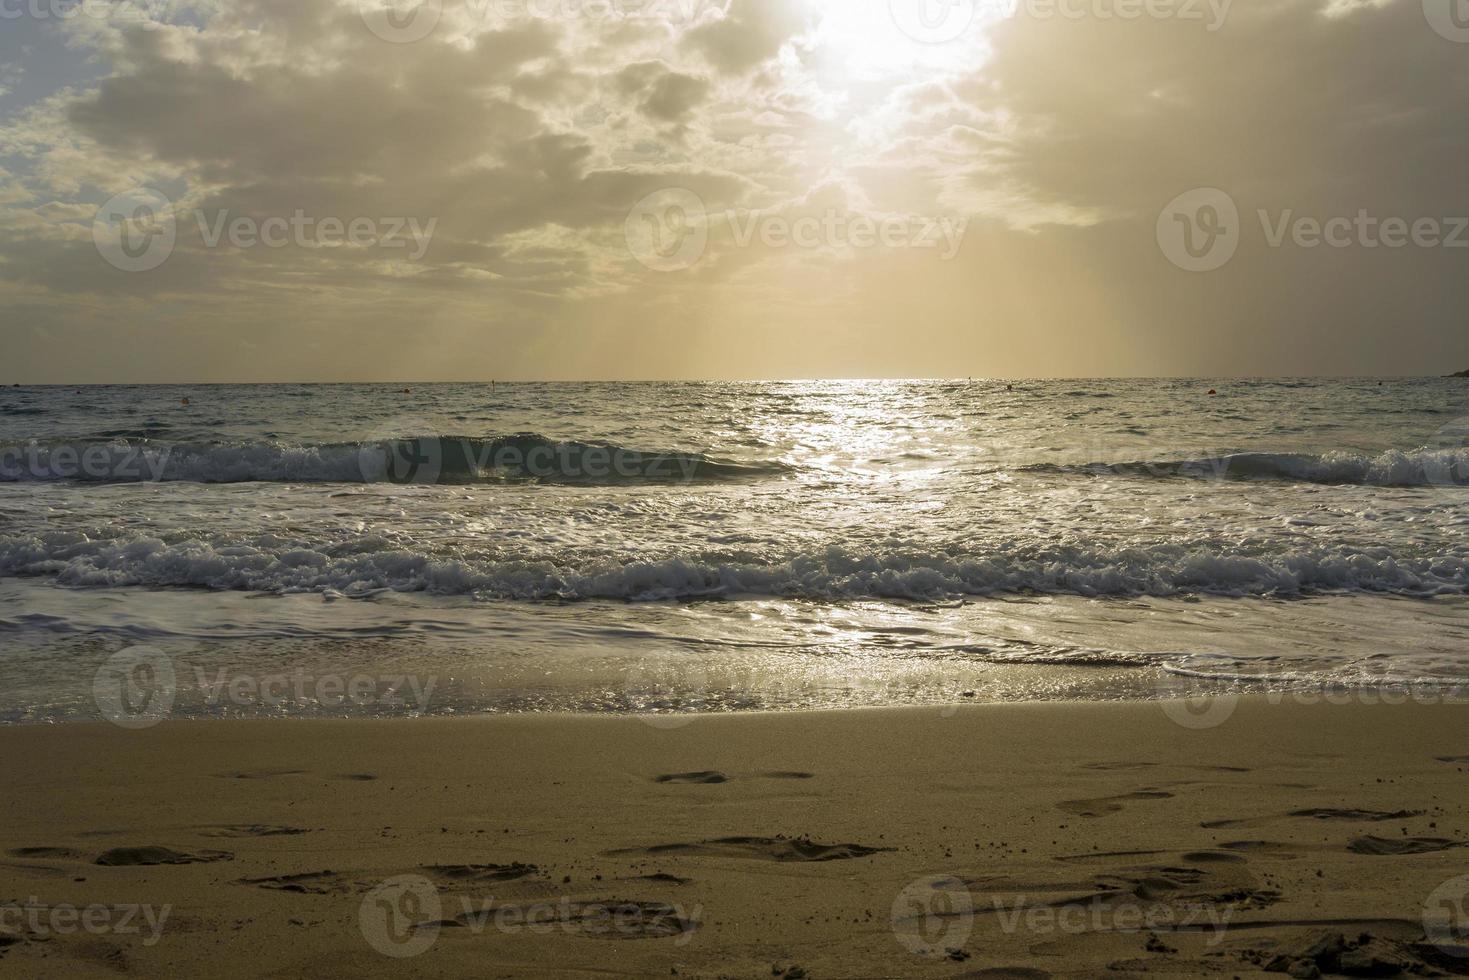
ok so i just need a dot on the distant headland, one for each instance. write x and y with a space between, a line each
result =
1461 374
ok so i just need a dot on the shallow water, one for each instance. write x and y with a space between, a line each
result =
733 546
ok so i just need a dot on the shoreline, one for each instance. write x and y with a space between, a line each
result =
1035 839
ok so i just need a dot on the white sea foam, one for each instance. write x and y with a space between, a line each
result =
832 574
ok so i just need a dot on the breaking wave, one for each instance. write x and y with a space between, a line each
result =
1447 467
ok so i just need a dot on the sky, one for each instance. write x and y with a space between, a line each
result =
335 190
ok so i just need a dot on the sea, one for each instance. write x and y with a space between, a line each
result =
671 549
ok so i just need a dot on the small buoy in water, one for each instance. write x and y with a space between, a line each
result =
407 391
1213 392
183 401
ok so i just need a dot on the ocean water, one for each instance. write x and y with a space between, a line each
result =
675 547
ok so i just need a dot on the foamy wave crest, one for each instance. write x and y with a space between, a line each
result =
431 459
1447 467
362 566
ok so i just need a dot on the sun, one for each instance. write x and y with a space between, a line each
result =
876 39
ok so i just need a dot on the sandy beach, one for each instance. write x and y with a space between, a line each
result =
989 841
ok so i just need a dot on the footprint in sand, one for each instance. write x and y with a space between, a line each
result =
478 874
57 853
1271 847
1205 857
30 860
1134 766
307 883
259 773
800 849
1323 813
1108 804
708 776
1184 880
445 876
251 830
147 857
713 776
1317 813
601 920
1400 845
